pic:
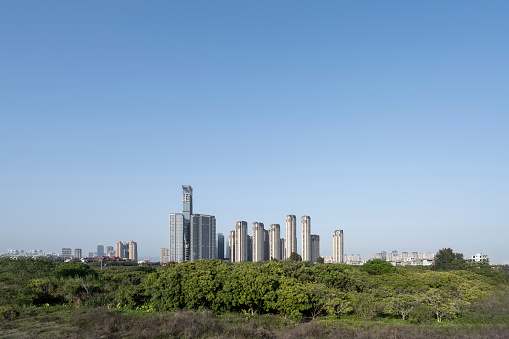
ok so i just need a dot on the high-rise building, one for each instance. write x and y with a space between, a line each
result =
241 245
187 211
66 252
231 245
220 246
275 242
315 247
177 247
337 246
78 253
258 241
283 249
133 251
291 235
164 255
100 251
306 238
203 237
266 248
249 248
122 250
110 251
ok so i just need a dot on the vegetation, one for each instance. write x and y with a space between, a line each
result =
287 298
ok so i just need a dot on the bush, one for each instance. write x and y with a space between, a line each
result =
378 267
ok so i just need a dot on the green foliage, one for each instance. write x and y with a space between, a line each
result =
447 260
319 260
74 269
378 267
295 257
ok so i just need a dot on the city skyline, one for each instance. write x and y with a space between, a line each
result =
388 121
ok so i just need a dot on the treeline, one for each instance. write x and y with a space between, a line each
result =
288 288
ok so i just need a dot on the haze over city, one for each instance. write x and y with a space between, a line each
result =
388 122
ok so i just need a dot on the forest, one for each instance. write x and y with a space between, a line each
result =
287 298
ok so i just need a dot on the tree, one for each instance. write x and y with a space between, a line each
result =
319 260
447 260
377 267
295 257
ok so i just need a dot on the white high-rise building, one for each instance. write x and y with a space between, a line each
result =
291 235
275 242
133 251
231 245
241 245
176 248
337 246
258 242
306 238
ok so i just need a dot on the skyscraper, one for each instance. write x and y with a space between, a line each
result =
241 245
187 210
231 245
78 253
275 242
122 250
283 248
266 248
291 235
315 247
176 248
203 236
164 255
100 251
110 251
258 241
306 238
220 246
337 246
133 251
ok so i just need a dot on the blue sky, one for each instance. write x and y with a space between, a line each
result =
387 120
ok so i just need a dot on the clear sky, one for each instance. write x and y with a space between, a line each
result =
389 120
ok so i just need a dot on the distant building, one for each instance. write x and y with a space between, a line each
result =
306 238
231 246
337 246
133 251
78 253
291 235
220 246
203 236
283 248
275 242
121 250
100 251
66 252
110 251
315 247
479 257
177 247
164 255
241 245
258 242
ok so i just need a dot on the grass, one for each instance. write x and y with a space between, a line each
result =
70 322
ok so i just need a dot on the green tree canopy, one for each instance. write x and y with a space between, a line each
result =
447 260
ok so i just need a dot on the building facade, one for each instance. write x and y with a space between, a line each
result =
78 253
275 242
100 251
291 235
315 247
133 251
337 246
177 247
241 245
258 242
231 246
187 211
203 236
220 246
306 238
66 252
